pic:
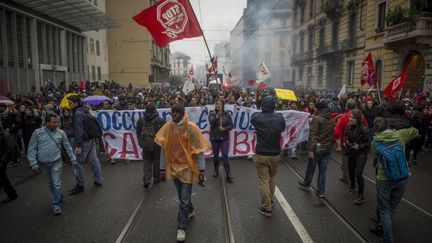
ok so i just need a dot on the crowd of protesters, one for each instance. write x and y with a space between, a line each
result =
353 116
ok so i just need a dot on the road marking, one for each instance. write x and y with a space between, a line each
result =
130 221
295 221
403 199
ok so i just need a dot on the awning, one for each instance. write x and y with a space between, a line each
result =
81 14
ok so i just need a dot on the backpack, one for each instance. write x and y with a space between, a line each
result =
94 130
392 158
148 134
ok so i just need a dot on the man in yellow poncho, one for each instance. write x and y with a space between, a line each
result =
182 160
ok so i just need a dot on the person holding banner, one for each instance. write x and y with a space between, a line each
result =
147 128
182 144
220 127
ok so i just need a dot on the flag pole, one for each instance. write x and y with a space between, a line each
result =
205 42
379 91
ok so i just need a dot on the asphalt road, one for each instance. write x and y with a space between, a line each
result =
102 214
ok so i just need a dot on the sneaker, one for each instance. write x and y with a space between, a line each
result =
112 161
376 230
14 163
76 189
181 235
147 185
343 180
9 199
359 200
265 212
191 215
272 203
352 190
321 194
98 184
304 186
57 211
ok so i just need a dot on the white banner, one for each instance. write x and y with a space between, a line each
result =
120 139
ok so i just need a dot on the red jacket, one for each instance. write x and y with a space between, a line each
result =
342 122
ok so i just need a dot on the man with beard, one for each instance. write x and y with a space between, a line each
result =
182 143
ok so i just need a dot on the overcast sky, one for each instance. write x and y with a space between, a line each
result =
217 18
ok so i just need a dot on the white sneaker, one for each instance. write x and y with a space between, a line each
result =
181 235
192 214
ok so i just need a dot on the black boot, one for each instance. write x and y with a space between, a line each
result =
229 178
216 168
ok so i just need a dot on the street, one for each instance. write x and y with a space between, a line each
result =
123 211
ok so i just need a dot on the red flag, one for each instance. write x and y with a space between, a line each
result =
368 71
261 85
251 82
169 20
395 85
213 67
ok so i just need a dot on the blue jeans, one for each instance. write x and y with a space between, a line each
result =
220 145
88 153
389 194
54 172
321 158
184 193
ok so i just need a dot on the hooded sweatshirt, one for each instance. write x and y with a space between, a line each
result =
268 126
402 135
321 131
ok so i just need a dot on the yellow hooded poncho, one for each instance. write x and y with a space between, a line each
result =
181 143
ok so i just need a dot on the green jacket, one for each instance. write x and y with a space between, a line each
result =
403 135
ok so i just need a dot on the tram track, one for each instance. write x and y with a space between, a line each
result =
332 208
229 236
132 220
404 200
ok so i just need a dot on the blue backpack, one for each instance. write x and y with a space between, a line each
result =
392 158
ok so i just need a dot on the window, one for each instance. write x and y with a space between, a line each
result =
352 30
282 58
320 76
48 43
311 8
92 48
95 2
20 40
301 44
282 39
302 14
309 77
335 33
294 44
88 73
9 39
378 71
301 75
97 48
267 58
93 73
268 40
310 43
321 37
293 76
99 73
350 72
29 43
1 45
382 9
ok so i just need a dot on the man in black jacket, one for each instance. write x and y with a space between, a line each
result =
147 128
12 123
268 127
7 147
85 148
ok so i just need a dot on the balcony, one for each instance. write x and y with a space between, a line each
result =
406 33
308 55
297 59
333 51
332 8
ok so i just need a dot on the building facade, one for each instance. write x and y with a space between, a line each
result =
331 39
97 50
39 42
262 34
134 57
180 64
